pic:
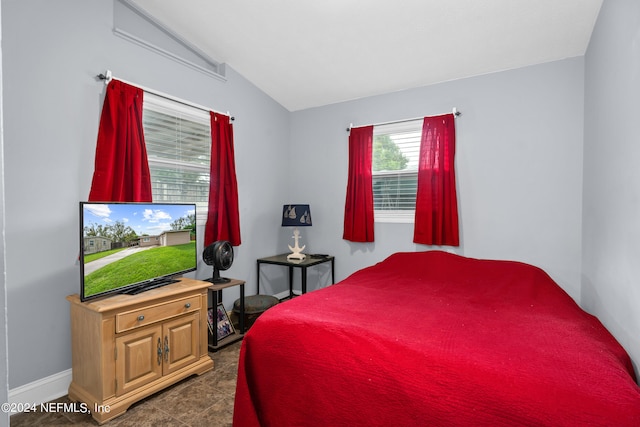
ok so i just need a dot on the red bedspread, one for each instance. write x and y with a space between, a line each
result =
434 339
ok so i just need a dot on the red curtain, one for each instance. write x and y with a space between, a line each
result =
358 210
436 219
223 218
121 171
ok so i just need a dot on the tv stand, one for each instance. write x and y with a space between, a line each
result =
127 347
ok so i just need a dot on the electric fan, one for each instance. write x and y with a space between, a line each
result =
220 255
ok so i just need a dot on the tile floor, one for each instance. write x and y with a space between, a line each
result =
205 400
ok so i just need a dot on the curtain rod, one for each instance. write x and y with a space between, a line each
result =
455 113
107 77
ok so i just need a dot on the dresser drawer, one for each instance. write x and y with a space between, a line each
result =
154 313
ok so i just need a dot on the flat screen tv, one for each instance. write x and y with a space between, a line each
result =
133 247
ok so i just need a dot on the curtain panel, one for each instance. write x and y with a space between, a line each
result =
121 172
223 218
436 217
358 211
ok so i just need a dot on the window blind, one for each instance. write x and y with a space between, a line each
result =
396 149
178 141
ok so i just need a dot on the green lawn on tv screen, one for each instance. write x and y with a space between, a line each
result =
140 266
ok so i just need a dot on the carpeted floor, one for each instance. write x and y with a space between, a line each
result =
205 400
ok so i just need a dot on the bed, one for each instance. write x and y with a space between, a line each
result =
434 339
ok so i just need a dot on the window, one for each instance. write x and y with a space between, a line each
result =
178 141
396 148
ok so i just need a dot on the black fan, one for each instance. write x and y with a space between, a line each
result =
220 255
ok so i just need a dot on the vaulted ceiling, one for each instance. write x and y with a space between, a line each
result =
311 53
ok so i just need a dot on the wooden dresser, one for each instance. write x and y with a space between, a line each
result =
127 347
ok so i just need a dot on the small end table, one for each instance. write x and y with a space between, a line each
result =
215 296
303 265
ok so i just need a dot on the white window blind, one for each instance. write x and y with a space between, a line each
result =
178 141
396 148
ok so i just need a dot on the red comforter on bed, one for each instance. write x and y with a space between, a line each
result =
435 339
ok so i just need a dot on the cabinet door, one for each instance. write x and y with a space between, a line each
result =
181 341
138 358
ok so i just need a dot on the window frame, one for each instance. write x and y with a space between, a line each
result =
413 126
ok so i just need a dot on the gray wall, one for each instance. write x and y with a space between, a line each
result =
52 53
518 160
611 224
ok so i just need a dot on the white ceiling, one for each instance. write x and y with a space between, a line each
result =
310 53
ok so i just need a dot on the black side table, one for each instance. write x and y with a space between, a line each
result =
303 265
215 297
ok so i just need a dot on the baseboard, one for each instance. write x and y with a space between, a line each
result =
42 390
285 294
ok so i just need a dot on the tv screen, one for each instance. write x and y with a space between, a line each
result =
133 247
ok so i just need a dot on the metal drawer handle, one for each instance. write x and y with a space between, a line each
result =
187 305
141 318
